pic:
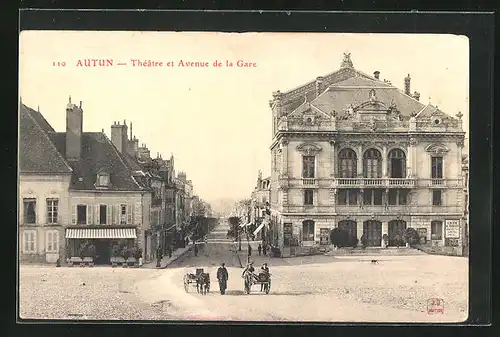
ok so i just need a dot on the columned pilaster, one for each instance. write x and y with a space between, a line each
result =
359 231
460 145
411 161
412 158
360 160
333 159
384 161
385 230
284 157
333 196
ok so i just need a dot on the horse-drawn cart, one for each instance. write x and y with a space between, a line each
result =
200 280
262 279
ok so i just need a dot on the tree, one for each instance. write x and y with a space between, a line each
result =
411 236
339 237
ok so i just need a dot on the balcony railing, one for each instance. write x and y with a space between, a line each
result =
437 182
374 182
311 182
372 209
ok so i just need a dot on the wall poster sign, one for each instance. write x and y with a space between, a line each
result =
452 229
324 236
287 234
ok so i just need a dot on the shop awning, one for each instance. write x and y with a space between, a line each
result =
101 233
259 228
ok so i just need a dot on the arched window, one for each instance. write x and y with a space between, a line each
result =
372 162
308 166
397 163
308 230
347 163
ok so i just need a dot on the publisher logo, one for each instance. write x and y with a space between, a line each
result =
435 306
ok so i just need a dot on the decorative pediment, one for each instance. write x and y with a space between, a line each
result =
372 105
309 149
437 148
308 109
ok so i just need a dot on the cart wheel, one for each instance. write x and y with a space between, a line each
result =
247 288
267 287
186 285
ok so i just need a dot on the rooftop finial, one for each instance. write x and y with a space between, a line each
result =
38 108
69 99
347 62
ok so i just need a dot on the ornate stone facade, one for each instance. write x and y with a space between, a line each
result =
355 150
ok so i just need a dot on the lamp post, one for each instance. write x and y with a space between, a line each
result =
239 238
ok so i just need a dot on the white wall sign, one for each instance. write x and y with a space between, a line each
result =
452 229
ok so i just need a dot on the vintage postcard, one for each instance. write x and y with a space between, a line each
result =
291 177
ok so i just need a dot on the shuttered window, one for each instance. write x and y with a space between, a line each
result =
52 242
29 238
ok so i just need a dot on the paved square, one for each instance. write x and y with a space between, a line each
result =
316 288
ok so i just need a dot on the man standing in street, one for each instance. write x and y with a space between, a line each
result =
222 277
259 249
195 249
249 250
159 256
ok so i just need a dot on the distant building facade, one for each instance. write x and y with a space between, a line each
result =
352 151
261 196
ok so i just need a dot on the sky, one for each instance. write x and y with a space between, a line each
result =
216 120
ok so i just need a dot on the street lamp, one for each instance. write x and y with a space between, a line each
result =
239 238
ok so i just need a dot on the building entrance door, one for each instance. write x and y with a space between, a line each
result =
372 230
396 231
350 227
102 251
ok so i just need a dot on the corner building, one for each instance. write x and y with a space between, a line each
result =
353 151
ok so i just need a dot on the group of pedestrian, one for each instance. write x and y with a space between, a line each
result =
262 250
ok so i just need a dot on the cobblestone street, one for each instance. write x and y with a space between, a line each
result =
320 288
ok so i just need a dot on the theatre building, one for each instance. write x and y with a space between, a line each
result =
353 151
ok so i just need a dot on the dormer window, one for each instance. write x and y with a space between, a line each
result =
102 179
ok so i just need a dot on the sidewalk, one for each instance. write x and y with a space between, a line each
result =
166 261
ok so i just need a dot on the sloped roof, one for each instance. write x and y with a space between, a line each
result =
337 76
37 154
131 162
39 119
356 90
98 154
430 110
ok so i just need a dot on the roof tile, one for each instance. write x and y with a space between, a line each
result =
37 154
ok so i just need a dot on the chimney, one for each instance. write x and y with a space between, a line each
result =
319 86
416 95
119 136
135 146
376 74
407 85
74 131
